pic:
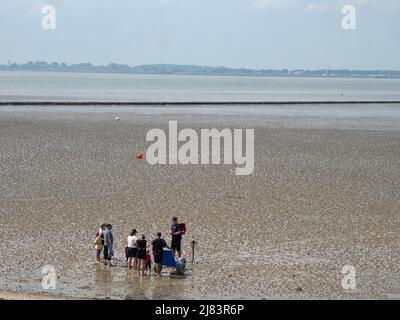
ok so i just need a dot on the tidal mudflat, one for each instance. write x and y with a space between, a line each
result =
325 192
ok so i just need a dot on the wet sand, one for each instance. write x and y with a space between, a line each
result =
325 193
9 295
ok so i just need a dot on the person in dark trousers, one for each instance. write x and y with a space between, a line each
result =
176 233
158 245
108 244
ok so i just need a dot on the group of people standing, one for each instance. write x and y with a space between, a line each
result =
137 247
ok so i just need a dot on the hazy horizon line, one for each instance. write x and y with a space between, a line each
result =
11 62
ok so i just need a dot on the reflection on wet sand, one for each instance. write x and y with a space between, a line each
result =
120 282
104 279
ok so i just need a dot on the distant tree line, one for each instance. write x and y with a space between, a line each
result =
174 69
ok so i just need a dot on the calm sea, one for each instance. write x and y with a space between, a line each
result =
122 87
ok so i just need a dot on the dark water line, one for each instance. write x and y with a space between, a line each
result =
183 103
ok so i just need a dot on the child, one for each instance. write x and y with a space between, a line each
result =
98 245
126 256
148 262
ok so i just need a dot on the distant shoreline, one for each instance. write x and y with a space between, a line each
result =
195 70
187 103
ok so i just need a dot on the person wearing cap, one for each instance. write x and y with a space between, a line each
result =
132 249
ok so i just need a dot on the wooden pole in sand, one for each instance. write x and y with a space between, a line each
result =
193 243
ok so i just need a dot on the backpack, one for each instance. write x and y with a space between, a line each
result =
182 227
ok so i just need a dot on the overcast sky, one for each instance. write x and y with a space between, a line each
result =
235 33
